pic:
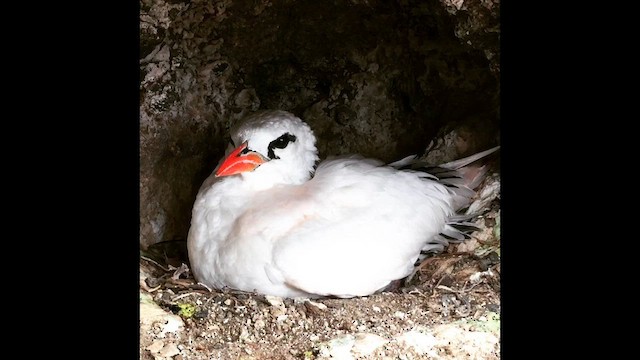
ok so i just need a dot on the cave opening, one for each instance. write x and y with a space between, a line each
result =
383 79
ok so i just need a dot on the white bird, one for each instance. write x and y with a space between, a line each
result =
268 221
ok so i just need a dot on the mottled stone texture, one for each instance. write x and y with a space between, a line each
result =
382 78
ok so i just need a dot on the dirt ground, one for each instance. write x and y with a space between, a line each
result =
448 309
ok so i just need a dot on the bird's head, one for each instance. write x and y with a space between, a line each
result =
271 146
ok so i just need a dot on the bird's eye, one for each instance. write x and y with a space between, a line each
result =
280 143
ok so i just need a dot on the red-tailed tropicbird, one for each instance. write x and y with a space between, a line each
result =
269 221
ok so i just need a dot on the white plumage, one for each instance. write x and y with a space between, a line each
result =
266 221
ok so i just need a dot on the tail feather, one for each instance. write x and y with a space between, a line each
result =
457 172
452 234
462 177
457 164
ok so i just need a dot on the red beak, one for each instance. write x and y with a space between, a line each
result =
240 160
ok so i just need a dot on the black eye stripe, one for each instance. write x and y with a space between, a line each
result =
280 143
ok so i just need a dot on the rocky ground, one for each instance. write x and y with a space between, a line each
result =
448 309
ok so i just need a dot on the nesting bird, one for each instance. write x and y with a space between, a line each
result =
272 220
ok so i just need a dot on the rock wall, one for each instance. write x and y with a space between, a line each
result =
381 78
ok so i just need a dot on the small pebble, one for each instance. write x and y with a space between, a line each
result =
156 346
169 350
